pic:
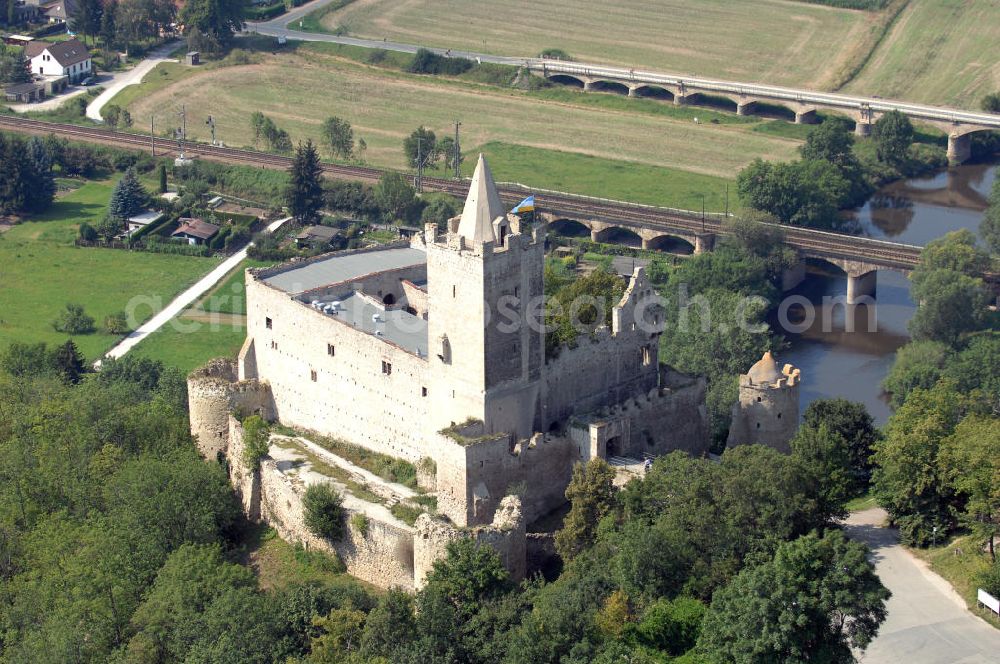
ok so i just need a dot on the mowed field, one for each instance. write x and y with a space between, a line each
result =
41 271
938 51
299 90
777 41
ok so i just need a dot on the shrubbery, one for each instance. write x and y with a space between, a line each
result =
428 62
324 514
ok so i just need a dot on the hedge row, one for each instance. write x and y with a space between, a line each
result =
263 13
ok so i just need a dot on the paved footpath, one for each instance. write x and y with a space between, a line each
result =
131 77
184 300
928 623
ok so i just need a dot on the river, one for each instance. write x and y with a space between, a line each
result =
838 363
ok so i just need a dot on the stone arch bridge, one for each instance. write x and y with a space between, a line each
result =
958 124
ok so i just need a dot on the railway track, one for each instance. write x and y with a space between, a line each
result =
632 216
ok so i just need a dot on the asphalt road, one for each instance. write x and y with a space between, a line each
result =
928 622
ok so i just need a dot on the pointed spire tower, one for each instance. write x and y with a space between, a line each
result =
482 207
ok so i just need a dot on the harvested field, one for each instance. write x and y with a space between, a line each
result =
300 90
777 41
939 52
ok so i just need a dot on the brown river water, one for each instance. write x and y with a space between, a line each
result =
836 362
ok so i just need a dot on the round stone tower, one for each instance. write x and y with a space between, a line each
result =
768 407
210 400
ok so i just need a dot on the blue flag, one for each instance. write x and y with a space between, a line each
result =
527 205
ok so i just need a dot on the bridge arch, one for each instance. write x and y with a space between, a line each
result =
720 102
609 86
654 92
825 267
567 79
569 228
617 235
672 244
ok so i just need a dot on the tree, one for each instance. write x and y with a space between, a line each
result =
218 18
951 305
850 421
470 573
259 123
970 465
421 143
68 362
340 637
803 193
591 494
833 142
15 176
991 103
161 173
115 116
827 456
893 135
128 198
109 28
323 514
918 364
26 360
42 191
338 137
394 195
305 185
87 19
906 480
439 210
73 320
14 65
989 227
818 598
390 625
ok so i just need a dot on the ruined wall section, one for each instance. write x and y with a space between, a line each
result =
382 556
377 284
214 393
610 365
342 391
474 477
506 535
416 298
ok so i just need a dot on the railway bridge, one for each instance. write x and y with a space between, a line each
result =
681 89
649 226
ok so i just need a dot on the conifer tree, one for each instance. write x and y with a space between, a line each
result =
69 362
42 190
128 197
305 189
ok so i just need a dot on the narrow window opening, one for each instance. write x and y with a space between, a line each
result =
386 368
267 323
312 375
331 350
758 425
423 391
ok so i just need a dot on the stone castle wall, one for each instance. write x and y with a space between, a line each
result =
351 397
506 535
765 414
473 478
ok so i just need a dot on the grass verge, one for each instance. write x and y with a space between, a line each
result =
958 563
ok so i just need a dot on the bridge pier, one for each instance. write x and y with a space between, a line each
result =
745 108
861 286
703 242
959 148
807 116
588 86
595 235
793 276
680 99
862 128
632 91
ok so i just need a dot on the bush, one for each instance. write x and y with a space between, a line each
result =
116 323
989 579
555 54
360 523
87 233
256 440
427 62
73 320
324 512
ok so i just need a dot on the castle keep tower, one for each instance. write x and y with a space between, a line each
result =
768 407
485 358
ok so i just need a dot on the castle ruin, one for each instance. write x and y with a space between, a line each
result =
431 350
